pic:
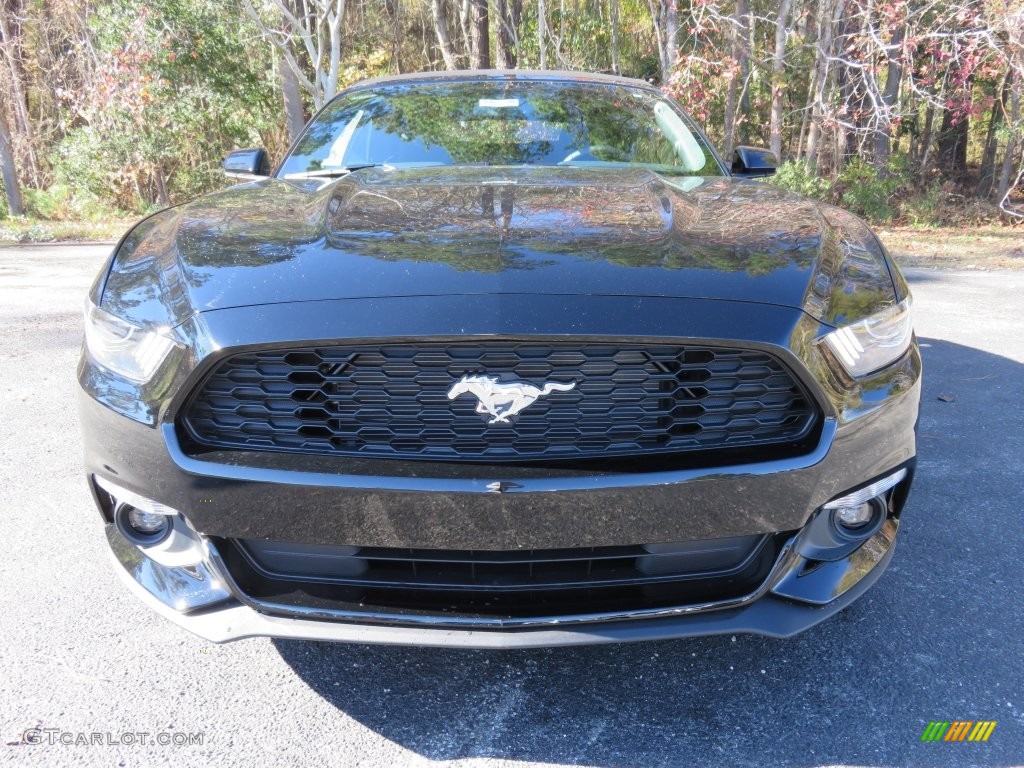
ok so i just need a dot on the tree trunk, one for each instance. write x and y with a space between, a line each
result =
465 23
295 118
8 171
805 120
778 77
953 135
987 175
672 36
741 58
515 9
508 24
502 36
335 18
823 59
562 15
659 37
480 35
161 185
851 91
953 143
19 126
746 38
665 19
926 139
542 24
613 12
394 12
1006 172
893 80
439 11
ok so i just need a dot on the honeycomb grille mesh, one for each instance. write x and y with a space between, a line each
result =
391 400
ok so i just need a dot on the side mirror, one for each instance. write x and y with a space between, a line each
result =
752 162
247 164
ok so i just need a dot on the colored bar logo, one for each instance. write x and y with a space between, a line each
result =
958 730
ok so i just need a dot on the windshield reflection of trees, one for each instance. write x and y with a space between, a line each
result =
541 124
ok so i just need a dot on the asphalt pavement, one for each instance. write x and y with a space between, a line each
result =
99 680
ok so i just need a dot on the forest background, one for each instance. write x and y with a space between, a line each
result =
908 113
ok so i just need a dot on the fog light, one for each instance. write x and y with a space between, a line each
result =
854 517
146 523
147 529
860 514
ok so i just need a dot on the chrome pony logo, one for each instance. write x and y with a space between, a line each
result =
503 400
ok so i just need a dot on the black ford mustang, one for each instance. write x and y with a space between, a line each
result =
500 359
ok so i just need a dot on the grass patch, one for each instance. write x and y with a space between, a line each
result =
25 229
982 247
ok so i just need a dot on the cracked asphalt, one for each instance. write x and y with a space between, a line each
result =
940 637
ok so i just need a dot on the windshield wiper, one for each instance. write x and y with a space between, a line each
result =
333 173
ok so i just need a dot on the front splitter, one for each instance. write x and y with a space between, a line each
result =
213 611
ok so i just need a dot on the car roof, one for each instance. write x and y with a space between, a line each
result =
476 75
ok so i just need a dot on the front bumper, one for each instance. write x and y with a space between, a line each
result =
798 593
246 495
767 611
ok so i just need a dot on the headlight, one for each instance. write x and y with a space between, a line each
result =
874 342
124 348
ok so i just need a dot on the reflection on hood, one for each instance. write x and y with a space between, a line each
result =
502 230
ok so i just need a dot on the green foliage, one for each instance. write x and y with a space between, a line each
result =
586 39
924 208
797 177
38 202
177 86
62 202
136 103
363 63
870 192
881 197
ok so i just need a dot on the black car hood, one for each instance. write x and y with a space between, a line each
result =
486 230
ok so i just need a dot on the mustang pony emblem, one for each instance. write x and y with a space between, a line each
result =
503 400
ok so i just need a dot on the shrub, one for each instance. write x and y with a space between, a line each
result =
40 203
867 191
925 208
98 170
797 177
64 202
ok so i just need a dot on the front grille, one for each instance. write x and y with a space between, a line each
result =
392 400
499 584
